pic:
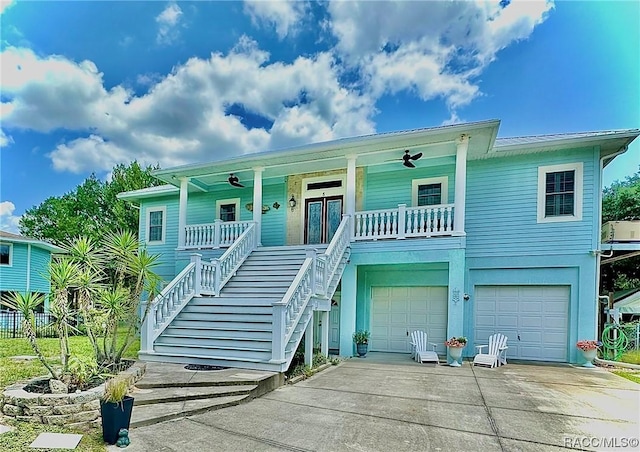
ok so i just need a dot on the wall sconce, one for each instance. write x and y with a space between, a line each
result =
292 203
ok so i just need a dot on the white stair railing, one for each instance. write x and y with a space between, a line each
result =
313 278
196 279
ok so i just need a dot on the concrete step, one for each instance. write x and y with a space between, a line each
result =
181 394
213 360
236 352
160 412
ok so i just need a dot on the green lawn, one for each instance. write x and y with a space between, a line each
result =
631 356
629 375
12 371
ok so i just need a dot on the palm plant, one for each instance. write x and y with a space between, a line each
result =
26 305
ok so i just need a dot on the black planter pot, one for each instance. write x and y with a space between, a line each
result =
114 417
362 349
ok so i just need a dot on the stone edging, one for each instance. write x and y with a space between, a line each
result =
617 364
79 409
314 371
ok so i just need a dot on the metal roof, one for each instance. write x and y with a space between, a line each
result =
16 238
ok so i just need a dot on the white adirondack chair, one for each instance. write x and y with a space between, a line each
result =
496 355
419 344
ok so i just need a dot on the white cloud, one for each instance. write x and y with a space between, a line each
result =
284 16
8 221
167 21
5 140
436 49
183 117
6 4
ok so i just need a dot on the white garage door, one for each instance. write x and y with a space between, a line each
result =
534 318
397 311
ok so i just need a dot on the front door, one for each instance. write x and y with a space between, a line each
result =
322 218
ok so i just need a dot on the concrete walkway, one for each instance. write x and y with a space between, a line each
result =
386 402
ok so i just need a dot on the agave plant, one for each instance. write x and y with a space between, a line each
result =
26 305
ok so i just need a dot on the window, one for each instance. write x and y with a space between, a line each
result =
156 219
228 209
560 193
5 253
429 192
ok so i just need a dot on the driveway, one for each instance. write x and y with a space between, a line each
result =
386 402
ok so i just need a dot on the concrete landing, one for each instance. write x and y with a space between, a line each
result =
169 391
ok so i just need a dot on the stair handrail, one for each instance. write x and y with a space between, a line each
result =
167 304
227 264
336 249
288 311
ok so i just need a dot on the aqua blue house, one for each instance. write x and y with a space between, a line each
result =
24 264
448 229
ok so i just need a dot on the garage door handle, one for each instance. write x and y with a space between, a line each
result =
518 337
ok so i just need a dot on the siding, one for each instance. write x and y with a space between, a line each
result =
385 190
502 196
14 277
166 266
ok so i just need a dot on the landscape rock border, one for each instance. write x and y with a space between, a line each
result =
74 410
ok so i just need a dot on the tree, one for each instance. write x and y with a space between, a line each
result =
621 202
92 209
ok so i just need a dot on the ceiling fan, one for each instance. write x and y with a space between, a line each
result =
233 180
407 157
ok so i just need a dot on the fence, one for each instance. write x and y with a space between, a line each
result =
11 325
618 339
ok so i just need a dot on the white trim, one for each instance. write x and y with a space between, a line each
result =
162 209
28 282
10 245
444 188
220 202
578 192
320 193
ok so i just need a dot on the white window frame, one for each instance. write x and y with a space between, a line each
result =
10 245
578 191
221 202
444 188
162 209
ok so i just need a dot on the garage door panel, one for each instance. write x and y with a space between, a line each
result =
398 310
538 314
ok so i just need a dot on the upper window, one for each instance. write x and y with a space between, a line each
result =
429 192
156 224
228 209
560 193
5 253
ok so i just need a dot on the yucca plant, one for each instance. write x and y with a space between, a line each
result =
26 304
64 275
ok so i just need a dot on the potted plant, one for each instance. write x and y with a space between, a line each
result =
361 338
455 346
115 408
589 351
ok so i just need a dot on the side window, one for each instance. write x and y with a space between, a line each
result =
560 193
5 253
429 192
156 224
228 209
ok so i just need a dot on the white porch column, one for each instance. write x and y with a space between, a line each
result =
462 145
257 202
350 201
308 344
324 341
348 309
182 211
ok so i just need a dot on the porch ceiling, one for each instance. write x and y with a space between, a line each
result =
374 150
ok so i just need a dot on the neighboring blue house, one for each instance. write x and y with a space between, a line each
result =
24 264
448 230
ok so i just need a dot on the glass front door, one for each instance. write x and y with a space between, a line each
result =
322 218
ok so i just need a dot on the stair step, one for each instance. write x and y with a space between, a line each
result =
152 414
254 364
258 281
272 265
236 301
228 309
214 352
223 343
199 324
180 394
224 317
218 333
252 288
250 277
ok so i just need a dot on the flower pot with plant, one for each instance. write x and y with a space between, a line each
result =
115 408
361 338
455 346
589 350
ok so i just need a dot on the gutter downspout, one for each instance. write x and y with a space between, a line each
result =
599 233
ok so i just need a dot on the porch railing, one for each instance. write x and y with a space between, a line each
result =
213 235
196 279
404 222
313 278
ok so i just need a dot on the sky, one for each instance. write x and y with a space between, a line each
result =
88 85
